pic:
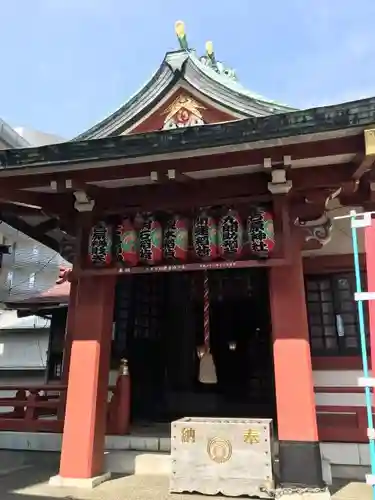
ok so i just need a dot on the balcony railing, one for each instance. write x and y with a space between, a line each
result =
42 408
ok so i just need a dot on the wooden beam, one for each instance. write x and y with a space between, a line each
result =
176 195
68 185
47 225
338 146
213 191
47 202
176 176
182 195
118 270
19 210
30 231
22 197
321 177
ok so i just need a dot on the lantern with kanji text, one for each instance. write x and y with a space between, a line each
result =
261 234
127 248
176 239
230 235
205 237
150 241
100 244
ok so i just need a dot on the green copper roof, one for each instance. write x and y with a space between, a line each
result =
204 74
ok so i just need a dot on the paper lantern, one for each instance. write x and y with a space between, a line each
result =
100 244
176 239
127 248
230 235
205 237
150 241
260 230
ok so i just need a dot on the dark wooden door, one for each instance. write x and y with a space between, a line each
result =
161 324
139 323
241 342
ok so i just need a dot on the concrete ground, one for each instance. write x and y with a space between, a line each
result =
26 479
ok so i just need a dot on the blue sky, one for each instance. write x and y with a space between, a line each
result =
66 64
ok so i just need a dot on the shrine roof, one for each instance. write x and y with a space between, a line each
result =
179 68
328 121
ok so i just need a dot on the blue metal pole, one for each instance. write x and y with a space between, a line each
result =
362 333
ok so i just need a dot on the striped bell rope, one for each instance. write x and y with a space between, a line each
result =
206 312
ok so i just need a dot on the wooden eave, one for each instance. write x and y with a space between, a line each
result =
226 159
248 134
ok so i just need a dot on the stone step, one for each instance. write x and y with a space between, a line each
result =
138 463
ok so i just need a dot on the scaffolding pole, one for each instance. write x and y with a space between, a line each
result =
357 221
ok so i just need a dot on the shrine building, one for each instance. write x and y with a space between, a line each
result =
200 220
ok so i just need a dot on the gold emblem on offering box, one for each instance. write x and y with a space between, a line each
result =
251 436
187 435
219 450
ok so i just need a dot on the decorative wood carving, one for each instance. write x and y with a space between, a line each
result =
316 233
311 216
183 112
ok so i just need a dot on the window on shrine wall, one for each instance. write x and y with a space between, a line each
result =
332 314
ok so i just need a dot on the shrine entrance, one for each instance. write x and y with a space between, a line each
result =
159 324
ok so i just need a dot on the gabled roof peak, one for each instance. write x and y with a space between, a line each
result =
207 76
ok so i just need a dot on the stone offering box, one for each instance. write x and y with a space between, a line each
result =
219 455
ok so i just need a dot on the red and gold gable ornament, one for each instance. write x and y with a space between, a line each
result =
150 241
205 237
183 112
230 235
176 239
261 234
100 244
127 248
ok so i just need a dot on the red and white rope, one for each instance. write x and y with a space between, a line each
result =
206 311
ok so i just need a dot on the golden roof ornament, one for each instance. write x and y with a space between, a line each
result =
210 54
210 60
179 27
209 48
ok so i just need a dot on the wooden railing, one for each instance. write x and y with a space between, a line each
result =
42 408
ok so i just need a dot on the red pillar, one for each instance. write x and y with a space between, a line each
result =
82 454
370 271
69 331
299 453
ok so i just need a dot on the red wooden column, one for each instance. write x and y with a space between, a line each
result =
299 453
69 330
370 271
82 454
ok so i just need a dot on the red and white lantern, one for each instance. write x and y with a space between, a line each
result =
127 247
230 235
176 239
150 241
205 237
261 233
100 244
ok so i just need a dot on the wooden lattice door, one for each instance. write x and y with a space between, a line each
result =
145 347
241 340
